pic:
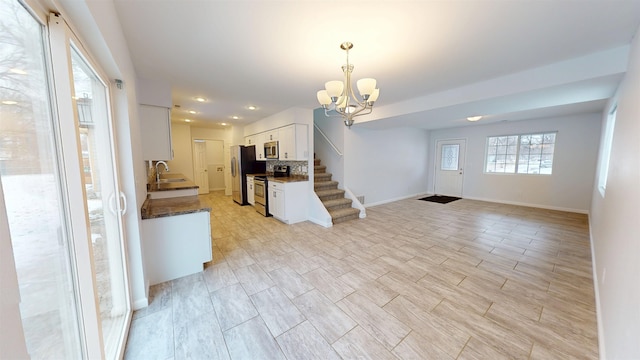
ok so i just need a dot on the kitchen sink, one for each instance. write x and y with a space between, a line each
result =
162 181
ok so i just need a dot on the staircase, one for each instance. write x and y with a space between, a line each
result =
332 198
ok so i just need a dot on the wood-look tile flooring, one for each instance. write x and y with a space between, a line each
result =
414 280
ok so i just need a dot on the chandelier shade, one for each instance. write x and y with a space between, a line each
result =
338 98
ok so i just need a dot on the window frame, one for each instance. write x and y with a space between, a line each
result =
605 149
518 153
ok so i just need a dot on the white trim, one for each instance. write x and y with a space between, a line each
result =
355 202
395 199
596 289
326 224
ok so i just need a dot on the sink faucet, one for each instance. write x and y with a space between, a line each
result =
166 169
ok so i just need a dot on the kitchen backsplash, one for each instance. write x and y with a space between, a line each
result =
295 167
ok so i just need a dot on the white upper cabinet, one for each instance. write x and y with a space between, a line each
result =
155 126
271 135
293 142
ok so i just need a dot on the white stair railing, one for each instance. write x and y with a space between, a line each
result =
328 140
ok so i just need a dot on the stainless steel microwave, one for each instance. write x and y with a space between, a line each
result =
271 150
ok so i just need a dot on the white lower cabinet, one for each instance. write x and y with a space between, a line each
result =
250 192
176 246
288 201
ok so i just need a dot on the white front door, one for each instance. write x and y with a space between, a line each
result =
200 166
449 167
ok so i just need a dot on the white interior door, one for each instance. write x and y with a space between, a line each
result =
449 167
200 166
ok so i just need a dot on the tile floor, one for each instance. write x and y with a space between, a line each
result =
414 280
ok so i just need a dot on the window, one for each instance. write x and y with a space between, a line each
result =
605 154
521 154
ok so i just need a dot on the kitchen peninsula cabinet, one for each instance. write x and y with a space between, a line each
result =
176 237
155 126
288 200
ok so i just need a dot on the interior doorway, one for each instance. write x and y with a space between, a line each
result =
449 172
200 166
215 164
208 165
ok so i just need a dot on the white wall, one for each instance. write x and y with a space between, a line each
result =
385 165
574 163
182 150
334 129
615 234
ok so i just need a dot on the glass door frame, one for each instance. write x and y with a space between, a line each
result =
61 40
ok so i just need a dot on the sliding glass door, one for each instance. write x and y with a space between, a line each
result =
105 203
61 191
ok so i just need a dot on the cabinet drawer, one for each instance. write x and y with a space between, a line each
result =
276 185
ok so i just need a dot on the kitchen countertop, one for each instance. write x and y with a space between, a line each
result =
288 179
156 208
187 184
254 175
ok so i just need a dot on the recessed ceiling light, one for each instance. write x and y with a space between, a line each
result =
200 99
251 107
192 112
187 120
9 102
235 117
474 118
18 71
223 124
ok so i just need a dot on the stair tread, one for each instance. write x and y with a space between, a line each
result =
335 202
325 183
343 212
329 192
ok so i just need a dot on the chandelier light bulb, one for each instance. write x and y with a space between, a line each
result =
323 98
334 88
374 96
366 87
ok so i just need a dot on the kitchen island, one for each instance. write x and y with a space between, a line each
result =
177 237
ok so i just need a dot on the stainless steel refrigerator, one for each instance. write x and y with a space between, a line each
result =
243 162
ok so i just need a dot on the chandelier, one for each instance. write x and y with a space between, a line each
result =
338 98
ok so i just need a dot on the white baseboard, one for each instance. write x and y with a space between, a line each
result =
596 289
394 199
539 206
140 304
321 222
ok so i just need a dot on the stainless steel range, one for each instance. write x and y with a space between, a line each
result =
260 195
261 186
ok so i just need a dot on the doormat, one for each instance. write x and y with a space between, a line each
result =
441 199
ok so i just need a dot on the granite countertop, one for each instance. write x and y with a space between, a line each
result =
253 175
157 208
288 179
180 185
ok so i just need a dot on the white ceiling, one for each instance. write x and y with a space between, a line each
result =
436 62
